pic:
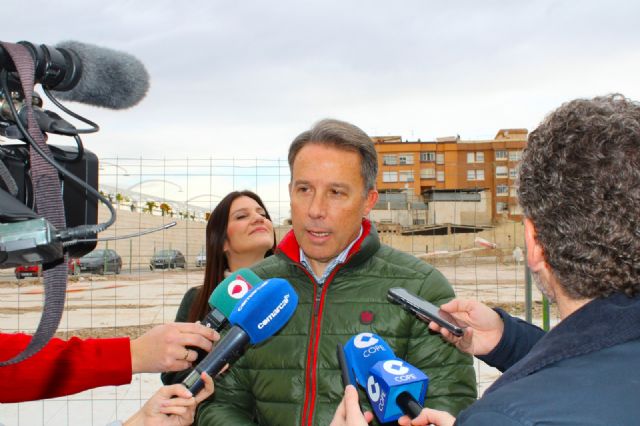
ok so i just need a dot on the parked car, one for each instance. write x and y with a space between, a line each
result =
28 271
201 259
167 259
101 261
36 270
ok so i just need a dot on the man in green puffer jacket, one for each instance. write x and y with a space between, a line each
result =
341 272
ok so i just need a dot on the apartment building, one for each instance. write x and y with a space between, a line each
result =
460 181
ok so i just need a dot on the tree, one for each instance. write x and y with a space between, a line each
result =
165 209
150 206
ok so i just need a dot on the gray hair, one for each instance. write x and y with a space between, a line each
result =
342 135
579 184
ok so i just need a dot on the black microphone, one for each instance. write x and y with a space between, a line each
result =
81 72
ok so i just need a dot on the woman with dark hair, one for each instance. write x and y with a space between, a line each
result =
239 234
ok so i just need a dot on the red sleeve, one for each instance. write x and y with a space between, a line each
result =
62 367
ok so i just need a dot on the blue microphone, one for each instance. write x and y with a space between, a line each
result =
394 387
362 351
262 313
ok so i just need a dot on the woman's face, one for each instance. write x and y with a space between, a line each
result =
248 230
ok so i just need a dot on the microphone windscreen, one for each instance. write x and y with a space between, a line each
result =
232 289
265 309
109 79
363 351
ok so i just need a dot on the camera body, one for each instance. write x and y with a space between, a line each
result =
80 207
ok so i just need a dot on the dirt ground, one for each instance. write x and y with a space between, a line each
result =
130 304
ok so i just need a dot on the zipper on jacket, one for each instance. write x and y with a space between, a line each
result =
312 356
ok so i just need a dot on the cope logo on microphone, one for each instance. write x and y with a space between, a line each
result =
395 367
373 389
238 288
364 340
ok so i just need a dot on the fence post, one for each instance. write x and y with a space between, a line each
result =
528 302
545 314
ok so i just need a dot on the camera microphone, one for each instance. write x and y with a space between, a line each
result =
82 72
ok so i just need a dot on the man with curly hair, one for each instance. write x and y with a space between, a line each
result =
579 186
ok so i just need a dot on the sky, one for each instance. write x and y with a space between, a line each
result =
242 79
239 80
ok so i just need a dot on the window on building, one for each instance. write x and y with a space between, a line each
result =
501 207
389 160
501 155
440 175
475 174
515 155
515 210
513 191
389 176
428 174
427 156
471 175
471 157
406 176
479 157
405 158
440 158
502 190
502 171
513 173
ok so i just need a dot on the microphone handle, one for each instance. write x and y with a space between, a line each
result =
409 405
215 320
229 349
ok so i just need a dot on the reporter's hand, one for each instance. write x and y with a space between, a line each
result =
428 417
348 412
164 347
484 326
171 406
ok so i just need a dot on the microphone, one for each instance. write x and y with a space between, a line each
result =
82 72
364 350
227 295
261 314
394 387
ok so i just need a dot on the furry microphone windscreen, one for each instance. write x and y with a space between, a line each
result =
109 79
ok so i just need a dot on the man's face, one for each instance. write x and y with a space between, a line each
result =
328 201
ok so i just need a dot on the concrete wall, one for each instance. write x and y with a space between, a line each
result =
189 237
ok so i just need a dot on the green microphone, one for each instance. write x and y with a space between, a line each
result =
227 295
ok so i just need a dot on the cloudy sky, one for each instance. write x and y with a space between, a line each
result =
241 79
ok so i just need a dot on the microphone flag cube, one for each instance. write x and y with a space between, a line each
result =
387 380
362 351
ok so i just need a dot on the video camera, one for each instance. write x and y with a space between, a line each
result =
76 72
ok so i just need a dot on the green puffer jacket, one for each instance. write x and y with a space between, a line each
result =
294 379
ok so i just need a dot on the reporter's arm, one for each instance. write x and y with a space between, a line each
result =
483 330
171 406
62 367
164 347
349 412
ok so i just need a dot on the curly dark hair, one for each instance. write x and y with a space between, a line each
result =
579 183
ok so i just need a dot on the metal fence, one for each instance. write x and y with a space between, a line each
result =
481 260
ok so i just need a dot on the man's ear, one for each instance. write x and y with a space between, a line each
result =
372 199
535 253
